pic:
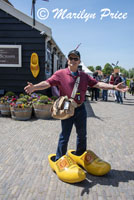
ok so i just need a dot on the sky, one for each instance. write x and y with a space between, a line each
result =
105 28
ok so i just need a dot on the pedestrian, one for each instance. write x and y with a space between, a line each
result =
111 81
105 92
66 166
124 83
95 91
132 87
118 94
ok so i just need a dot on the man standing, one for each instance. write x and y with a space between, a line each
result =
104 92
65 167
125 83
118 93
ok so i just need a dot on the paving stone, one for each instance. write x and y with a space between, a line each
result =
25 173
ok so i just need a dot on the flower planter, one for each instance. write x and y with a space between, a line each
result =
42 111
5 109
21 113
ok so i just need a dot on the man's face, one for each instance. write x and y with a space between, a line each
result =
73 60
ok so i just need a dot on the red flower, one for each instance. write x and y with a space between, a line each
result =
14 99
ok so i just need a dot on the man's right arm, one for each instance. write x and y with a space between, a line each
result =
40 86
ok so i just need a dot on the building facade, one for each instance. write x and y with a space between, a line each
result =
17 31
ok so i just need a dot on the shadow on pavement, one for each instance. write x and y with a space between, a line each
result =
130 99
113 178
90 112
128 104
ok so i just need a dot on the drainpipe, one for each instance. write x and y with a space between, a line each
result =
46 41
52 48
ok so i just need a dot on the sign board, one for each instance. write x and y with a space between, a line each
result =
10 56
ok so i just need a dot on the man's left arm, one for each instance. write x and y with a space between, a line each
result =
120 87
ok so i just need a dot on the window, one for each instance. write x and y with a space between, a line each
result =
10 56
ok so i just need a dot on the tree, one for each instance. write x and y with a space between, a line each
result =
131 73
98 68
122 70
91 68
108 69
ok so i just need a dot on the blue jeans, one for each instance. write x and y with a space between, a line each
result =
118 96
104 95
80 121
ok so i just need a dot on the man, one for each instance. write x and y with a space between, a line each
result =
132 87
104 92
118 93
111 81
65 167
124 83
95 91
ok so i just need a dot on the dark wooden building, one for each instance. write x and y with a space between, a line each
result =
16 28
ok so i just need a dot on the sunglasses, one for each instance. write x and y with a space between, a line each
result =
75 59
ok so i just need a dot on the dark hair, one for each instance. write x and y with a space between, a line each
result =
95 74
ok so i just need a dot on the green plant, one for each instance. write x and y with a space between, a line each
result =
43 100
21 95
54 98
128 82
9 94
5 100
26 96
21 103
22 100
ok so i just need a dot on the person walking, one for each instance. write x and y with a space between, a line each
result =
66 166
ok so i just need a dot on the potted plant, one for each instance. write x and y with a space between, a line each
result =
21 109
42 107
5 103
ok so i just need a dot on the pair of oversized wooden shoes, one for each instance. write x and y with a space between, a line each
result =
68 170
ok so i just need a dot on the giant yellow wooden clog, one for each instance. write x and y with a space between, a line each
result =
91 162
66 169
34 65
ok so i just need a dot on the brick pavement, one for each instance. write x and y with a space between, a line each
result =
24 146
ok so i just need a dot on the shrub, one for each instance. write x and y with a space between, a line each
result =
54 98
21 95
43 100
9 94
22 100
128 82
5 100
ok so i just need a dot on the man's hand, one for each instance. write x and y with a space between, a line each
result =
29 88
122 88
